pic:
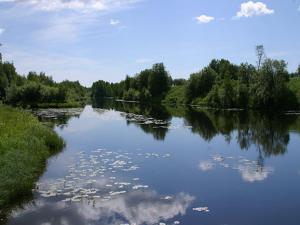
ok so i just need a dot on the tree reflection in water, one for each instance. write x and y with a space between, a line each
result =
268 132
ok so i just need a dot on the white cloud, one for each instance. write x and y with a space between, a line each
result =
204 19
114 22
78 5
2 30
250 9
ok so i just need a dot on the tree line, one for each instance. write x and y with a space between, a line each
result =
147 85
38 89
221 84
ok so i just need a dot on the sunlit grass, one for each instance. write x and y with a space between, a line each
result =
25 145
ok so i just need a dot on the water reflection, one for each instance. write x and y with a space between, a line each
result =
148 111
163 179
250 170
139 207
268 132
57 117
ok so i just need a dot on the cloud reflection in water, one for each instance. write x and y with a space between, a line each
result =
136 207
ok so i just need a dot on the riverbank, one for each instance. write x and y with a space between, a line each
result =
25 145
177 96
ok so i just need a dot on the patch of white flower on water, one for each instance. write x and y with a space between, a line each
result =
201 209
98 174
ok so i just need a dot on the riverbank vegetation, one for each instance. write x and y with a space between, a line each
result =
25 145
38 90
221 84
149 85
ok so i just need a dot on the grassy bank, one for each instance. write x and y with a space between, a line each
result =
25 145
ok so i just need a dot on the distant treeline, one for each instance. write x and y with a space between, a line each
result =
38 90
221 84
149 84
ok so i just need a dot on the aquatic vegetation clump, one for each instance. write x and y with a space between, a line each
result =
144 120
25 145
58 113
100 175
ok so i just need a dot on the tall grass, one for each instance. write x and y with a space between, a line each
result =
25 145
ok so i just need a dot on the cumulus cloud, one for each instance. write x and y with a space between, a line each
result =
250 9
204 19
2 30
80 5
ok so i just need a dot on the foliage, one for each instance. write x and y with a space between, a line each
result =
269 85
221 84
294 87
200 84
25 144
149 84
37 90
176 95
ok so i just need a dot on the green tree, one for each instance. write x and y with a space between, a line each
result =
224 69
200 84
226 94
159 80
245 73
269 85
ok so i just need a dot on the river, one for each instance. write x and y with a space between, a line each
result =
126 163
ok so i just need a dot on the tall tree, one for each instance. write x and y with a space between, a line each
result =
260 53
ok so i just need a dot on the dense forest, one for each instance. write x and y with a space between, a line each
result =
221 84
38 90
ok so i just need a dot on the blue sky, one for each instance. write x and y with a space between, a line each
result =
88 40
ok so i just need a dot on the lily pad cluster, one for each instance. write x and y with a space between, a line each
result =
100 175
144 120
58 113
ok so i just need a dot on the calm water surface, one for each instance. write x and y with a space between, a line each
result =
131 164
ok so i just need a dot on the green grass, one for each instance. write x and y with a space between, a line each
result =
25 145
176 95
